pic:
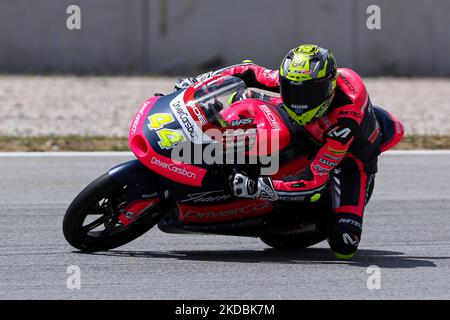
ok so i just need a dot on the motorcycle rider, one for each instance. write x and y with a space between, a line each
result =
334 108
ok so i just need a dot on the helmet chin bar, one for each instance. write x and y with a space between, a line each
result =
324 108
310 115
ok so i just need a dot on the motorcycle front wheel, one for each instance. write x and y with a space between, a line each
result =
91 222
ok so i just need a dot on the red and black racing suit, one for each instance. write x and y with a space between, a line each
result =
349 138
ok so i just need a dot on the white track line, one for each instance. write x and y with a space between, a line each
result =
417 152
68 154
129 154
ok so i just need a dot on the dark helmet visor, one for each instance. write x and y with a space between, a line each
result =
305 96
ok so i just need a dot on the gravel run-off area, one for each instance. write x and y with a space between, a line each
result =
104 106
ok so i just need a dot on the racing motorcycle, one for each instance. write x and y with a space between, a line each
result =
186 196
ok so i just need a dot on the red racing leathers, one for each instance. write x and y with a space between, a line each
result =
348 140
349 129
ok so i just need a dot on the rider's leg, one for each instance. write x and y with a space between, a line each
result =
352 188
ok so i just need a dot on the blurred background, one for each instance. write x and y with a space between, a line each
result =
182 36
50 84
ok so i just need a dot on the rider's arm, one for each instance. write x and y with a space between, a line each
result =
253 75
337 141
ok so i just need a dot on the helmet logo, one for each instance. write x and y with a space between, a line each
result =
299 62
308 49
299 106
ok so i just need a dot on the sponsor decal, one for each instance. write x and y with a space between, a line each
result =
351 221
138 117
270 116
241 122
173 168
398 127
339 132
350 113
327 162
199 114
207 196
292 198
349 241
149 195
332 157
205 76
187 122
348 84
299 106
320 170
242 211
189 127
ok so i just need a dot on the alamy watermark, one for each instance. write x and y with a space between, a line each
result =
233 146
73 21
373 21
374 278
74 279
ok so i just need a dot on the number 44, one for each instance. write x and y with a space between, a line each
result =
168 138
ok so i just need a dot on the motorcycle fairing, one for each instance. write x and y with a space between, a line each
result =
235 210
270 125
143 142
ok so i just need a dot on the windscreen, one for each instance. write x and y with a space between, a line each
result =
215 97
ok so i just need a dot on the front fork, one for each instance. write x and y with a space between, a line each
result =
142 190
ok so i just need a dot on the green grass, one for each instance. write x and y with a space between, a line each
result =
63 143
100 143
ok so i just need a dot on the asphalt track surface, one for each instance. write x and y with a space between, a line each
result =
406 234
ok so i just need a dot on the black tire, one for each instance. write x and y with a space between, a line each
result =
292 242
88 200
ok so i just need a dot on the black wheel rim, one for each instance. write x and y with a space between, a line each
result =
101 221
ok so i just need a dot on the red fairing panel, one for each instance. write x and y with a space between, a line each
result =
272 133
239 209
139 119
134 209
164 166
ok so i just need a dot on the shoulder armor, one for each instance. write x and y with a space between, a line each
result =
352 85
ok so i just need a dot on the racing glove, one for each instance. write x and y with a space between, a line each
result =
242 94
246 187
184 83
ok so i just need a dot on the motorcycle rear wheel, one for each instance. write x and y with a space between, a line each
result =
101 197
291 242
